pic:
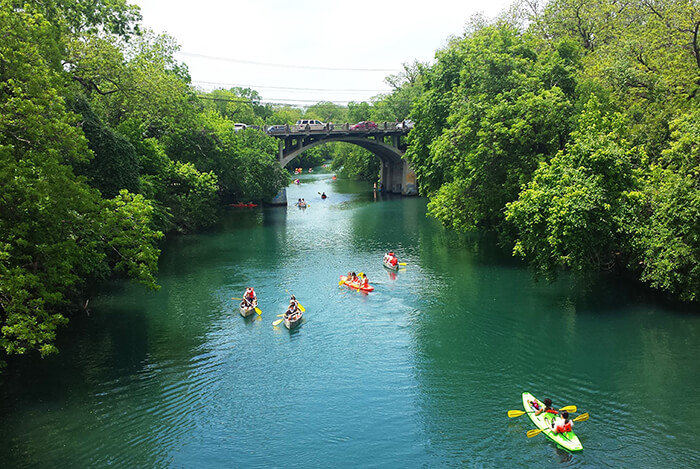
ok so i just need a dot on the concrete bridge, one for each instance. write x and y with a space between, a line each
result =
385 141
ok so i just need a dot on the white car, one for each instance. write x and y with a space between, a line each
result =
312 124
405 125
238 126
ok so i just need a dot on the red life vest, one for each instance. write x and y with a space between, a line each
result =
552 411
564 428
394 261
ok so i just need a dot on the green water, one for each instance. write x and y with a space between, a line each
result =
418 373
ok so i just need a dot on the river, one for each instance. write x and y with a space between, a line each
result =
419 373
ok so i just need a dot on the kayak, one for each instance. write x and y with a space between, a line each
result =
243 205
355 285
391 267
293 321
569 441
247 310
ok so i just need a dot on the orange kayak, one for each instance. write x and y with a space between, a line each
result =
356 285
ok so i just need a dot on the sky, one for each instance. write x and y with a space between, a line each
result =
306 51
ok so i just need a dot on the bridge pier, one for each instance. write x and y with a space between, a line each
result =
398 178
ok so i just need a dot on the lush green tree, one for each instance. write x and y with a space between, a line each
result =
507 114
114 165
664 233
327 112
358 112
282 115
233 105
576 209
56 231
245 162
354 162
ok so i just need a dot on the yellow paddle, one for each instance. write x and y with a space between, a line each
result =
257 310
277 322
234 298
537 431
402 263
518 413
303 310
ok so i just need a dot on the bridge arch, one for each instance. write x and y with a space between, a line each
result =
396 176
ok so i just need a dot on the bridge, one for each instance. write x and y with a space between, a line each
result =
386 141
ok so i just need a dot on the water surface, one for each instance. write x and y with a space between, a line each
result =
418 373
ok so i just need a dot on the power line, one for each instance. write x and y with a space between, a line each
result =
295 102
289 88
307 67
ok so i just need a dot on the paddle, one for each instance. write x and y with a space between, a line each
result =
402 263
303 310
537 431
257 310
239 299
518 413
277 322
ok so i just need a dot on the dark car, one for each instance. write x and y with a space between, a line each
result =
277 128
364 125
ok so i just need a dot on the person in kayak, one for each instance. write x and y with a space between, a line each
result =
323 196
249 297
562 424
365 282
547 408
292 308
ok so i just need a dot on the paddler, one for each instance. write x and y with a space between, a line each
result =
547 408
249 296
292 308
563 424
365 282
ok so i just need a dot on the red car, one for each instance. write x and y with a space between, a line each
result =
364 125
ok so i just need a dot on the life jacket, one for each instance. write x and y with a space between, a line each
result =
394 261
565 428
552 411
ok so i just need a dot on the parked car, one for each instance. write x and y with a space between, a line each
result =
238 126
277 128
312 124
364 125
405 125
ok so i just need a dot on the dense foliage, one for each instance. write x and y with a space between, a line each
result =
571 129
104 145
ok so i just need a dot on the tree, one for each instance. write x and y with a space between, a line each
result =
57 233
576 208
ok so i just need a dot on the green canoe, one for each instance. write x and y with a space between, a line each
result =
569 441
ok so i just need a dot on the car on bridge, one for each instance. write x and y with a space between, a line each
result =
312 124
364 125
239 126
277 128
405 125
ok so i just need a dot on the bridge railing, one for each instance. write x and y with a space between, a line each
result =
337 128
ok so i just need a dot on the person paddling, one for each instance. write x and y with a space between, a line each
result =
563 424
249 297
323 196
547 408
292 308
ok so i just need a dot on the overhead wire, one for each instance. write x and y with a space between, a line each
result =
289 88
306 67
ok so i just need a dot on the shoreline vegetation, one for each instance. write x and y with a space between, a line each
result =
572 131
